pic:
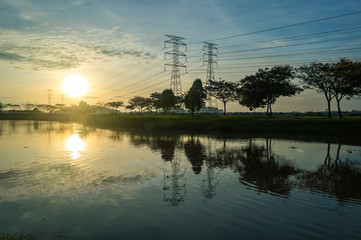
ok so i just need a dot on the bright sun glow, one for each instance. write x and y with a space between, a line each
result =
75 145
75 86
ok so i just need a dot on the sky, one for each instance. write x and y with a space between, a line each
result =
118 46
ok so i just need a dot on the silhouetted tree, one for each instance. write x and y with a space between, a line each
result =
115 105
223 91
168 100
248 97
1 106
347 81
194 99
267 85
28 106
319 76
156 100
139 102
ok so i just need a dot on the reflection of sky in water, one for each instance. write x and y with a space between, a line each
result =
75 145
122 179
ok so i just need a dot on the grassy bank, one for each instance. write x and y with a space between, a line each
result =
349 127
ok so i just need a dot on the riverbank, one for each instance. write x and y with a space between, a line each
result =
347 128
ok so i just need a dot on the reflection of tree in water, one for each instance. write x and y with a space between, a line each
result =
262 167
256 164
166 145
339 178
195 153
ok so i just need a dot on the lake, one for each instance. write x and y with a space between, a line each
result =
62 180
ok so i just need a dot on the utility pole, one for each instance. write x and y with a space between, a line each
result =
175 81
50 95
210 52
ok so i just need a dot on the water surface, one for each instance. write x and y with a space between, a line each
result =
82 183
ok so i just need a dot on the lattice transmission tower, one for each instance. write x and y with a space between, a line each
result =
175 80
50 95
210 54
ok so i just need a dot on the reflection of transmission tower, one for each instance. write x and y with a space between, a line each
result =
209 184
175 81
174 184
209 55
50 95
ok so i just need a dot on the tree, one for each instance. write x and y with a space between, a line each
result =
267 85
156 101
194 99
222 90
138 102
248 97
168 100
319 76
347 81
115 105
1 106
28 106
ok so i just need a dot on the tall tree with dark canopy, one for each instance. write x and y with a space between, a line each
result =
168 100
347 81
194 99
247 96
223 91
266 86
319 76
156 100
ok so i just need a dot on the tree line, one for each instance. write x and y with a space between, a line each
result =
341 80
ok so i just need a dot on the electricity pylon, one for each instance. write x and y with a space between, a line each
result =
175 81
50 95
210 52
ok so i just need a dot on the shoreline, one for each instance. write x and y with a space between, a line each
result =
343 130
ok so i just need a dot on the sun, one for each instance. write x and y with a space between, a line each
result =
75 85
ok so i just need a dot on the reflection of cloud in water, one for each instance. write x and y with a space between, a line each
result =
64 182
75 145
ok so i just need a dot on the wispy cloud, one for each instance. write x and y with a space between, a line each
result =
64 48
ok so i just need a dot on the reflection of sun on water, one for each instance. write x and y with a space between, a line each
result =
75 145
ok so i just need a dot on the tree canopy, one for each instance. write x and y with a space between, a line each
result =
194 99
263 88
222 90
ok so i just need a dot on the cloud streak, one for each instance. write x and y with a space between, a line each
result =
62 49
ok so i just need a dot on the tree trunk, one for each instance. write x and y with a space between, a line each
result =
328 104
338 107
267 110
329 108
270 110
224 108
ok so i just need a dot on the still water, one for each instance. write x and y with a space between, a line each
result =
81 183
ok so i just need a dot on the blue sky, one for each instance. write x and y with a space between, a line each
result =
118 45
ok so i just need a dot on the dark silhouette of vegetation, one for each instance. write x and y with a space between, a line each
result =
263 88
194 99
223 91
139 103
347 81
115 105
168 100
319 76
156 101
